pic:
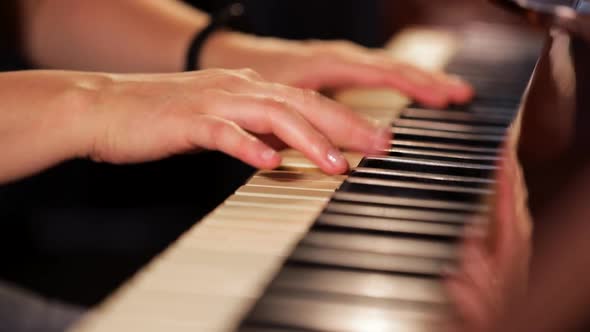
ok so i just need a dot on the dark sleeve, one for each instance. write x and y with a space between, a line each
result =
356 20
10 50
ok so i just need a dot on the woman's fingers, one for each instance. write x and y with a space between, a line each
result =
273 115
215 133
492 275
472 311
351 73
475 291
346 65
151 117
457 89
343 127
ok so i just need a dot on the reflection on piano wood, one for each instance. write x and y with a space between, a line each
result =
269 259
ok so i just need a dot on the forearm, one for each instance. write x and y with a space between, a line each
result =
40 120
113 36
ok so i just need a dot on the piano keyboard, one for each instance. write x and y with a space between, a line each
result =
297 250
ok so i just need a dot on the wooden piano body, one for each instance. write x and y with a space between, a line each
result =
213 276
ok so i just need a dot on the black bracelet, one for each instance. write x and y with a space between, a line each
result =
229 17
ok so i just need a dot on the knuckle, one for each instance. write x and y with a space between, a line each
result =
211 72
274 103
275 110
312 98
235 77
218 130
249 73
310 95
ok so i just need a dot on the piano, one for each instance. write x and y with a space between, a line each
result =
297 250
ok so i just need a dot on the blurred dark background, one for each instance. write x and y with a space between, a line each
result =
77 231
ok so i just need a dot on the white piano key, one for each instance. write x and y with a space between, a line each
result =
286 193
275 203
253 241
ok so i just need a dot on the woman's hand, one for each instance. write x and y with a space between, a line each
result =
317 64
495 264
136 118
160 32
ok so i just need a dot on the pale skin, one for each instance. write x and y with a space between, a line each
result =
104 116
101 111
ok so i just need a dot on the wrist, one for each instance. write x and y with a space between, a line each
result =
235 50
51 125
222 47
74 115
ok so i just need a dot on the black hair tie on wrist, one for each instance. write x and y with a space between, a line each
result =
229 17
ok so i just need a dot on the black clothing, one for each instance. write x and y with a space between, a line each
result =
355 20
10 55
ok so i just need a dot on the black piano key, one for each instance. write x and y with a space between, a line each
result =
447 188
435 179
513 88
450 127
414 190
484 109
389 212
308 312
431 167
434 136
452 148
457 117
388 226
361 284
520 71
483 98
443 156
403 201
371 262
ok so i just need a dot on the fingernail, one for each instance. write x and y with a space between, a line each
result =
268 155
336 158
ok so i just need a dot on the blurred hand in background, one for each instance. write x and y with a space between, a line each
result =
495 258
